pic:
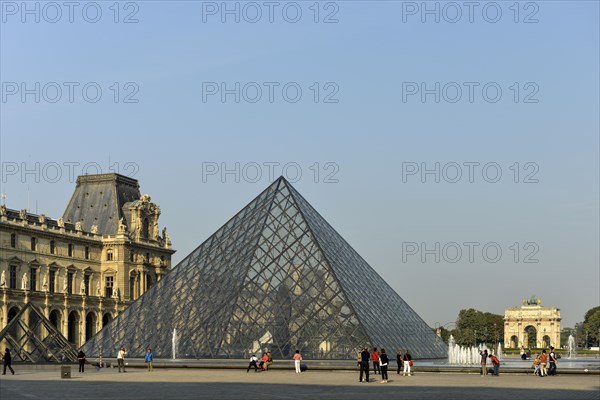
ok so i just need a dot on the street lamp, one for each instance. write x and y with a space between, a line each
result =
496 333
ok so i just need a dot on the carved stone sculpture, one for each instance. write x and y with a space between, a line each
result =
24 281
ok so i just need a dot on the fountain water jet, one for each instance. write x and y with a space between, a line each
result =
174 343
571 346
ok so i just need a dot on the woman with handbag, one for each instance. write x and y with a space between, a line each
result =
407 363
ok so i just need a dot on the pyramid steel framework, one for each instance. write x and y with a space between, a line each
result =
276 276
32 338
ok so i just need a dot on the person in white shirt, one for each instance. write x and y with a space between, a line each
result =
121 359
253 361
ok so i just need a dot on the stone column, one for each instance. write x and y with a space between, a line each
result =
83 322
521 335
100 315
143 282
46 306
136 285
65 318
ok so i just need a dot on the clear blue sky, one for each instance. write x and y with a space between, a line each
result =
369 61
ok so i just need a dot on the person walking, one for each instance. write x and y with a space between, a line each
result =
383 364
375 358
407 363
552 359
543 363
148 358
399 361
7 361
297 358
364 365
121 359
253 361
81 359
496 364
484 356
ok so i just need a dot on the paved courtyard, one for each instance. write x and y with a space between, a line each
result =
277 384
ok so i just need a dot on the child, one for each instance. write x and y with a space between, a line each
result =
536 365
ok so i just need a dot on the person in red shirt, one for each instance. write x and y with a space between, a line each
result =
495 364
375 359
263 362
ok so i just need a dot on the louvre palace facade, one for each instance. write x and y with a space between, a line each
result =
83 269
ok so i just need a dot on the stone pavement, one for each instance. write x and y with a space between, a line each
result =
277 384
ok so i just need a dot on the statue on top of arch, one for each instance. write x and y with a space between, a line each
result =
533 301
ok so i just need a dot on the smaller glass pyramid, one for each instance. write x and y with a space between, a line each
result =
276 276
32 338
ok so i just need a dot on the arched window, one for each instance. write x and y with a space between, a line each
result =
109 255
145 228
12 313
90 325
55 319
106 318
530 337
514 342
73 328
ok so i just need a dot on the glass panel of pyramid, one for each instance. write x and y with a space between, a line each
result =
276 276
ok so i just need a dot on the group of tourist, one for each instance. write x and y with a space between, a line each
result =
265 362
494 360
381 362
544 364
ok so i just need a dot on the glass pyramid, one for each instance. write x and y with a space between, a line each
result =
276 276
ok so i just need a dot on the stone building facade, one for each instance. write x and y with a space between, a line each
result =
532 325
84 268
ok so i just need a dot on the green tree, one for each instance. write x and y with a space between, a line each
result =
473 327
591 326
579 335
